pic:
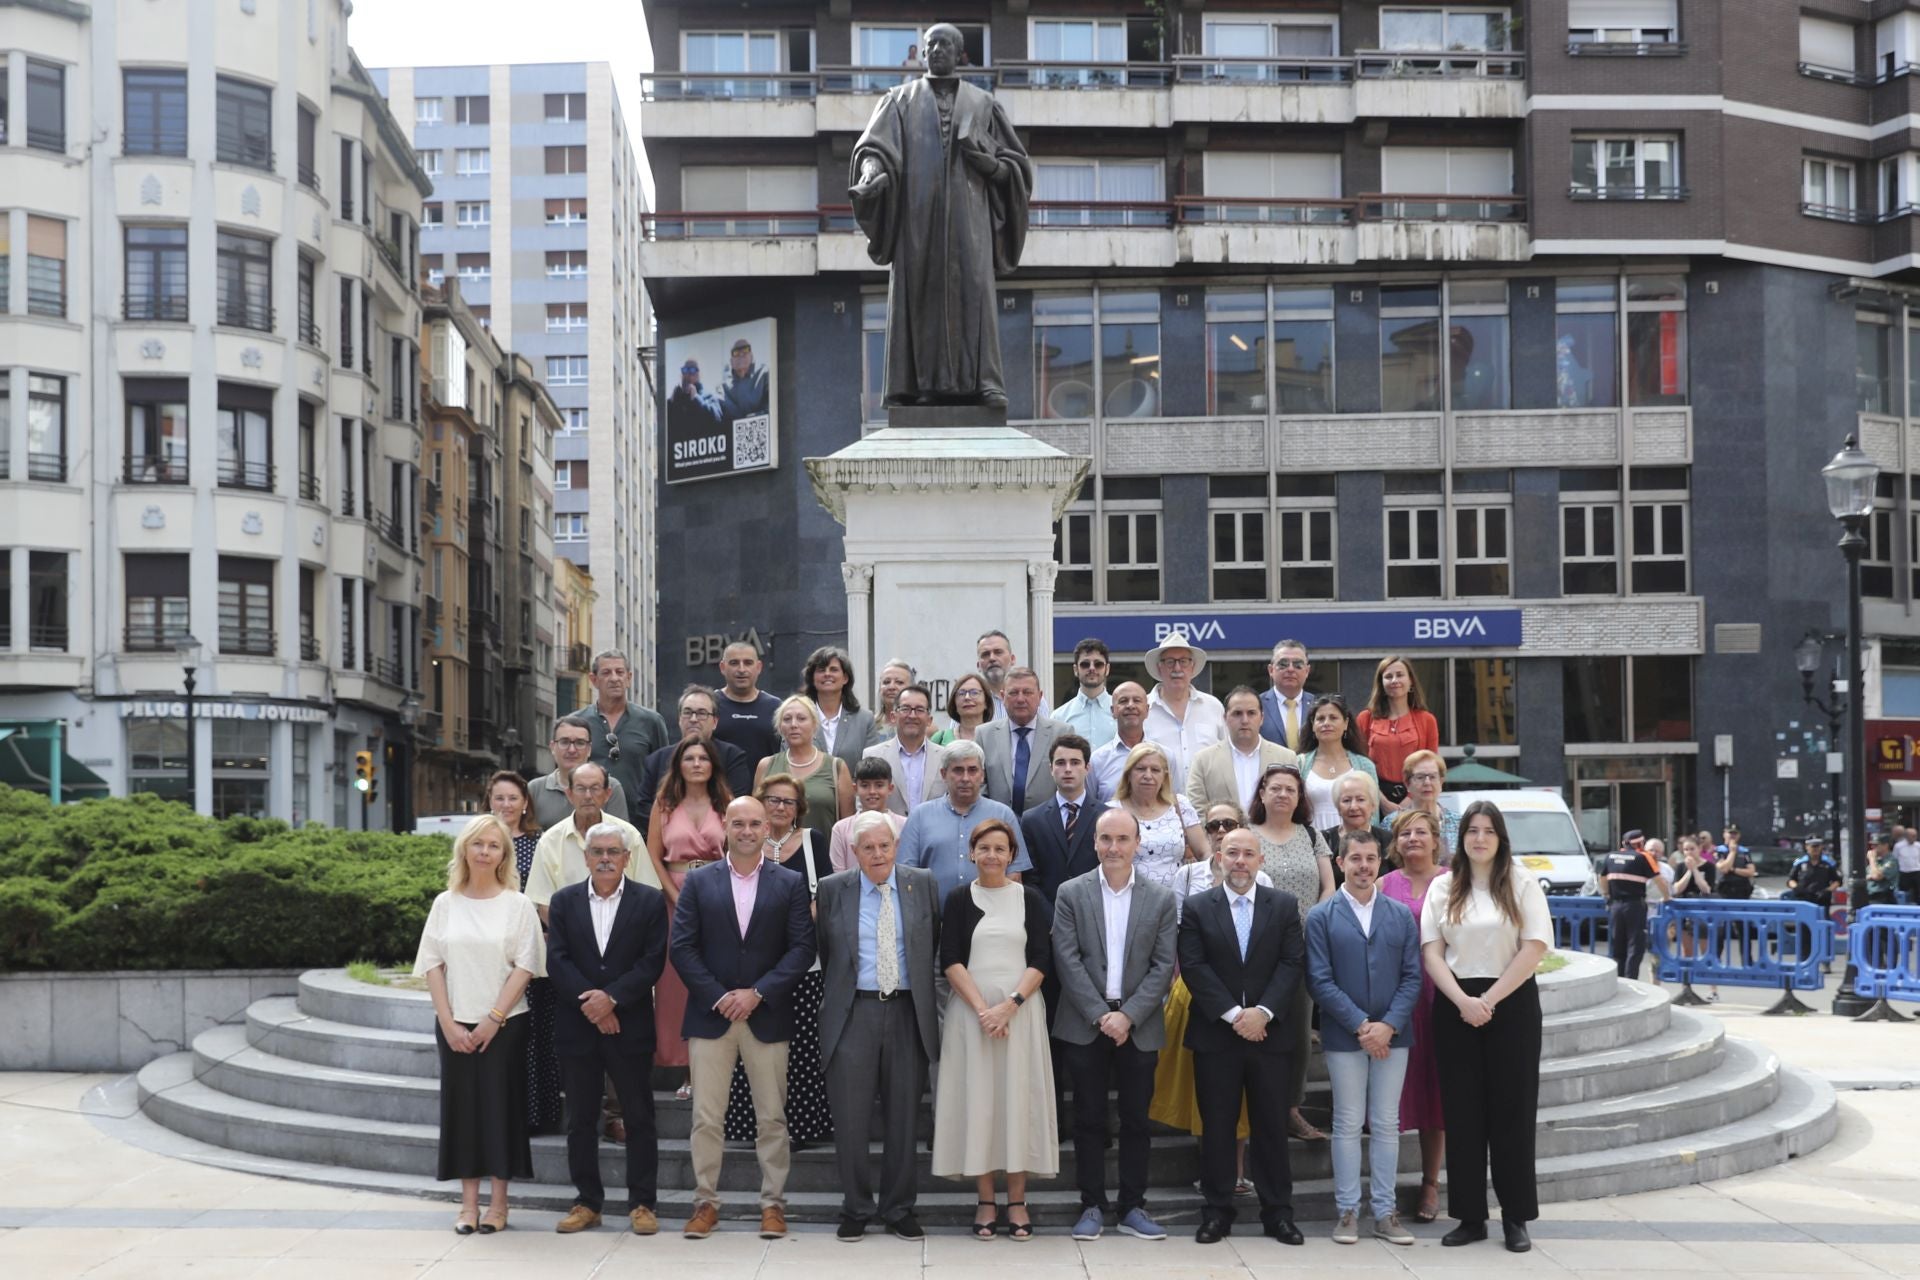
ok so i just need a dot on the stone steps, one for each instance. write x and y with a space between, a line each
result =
339 1084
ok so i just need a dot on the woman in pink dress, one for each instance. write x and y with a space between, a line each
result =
684 832
1417 850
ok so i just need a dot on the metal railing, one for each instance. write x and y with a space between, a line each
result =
309 648
46 290
253 642
154 306
308 175
1626 48
309 486
152 637
1580 191
391 253
346 500
366 362
881 79
46 140
309 332
1085 75
246 313
1231 209
1482 64
47 466
244 153
696 86
753 224
346 352
1838 212
1209 69
142 469
349 655
234 473
579 657
47 635
388 670
1101 213
390 528
1404 207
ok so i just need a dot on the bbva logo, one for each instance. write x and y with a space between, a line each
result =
1196 629
1444 628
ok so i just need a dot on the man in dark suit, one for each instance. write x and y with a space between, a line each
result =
606 946
1059 835
742 940
1113 937
699 716
1287 708
879 932
1017 745
1242 953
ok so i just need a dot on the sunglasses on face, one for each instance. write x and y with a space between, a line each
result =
1289 664
1219 825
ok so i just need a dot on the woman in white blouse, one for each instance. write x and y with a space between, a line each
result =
1483 929
481 947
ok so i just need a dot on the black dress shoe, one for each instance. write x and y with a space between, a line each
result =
1212 1230
907 1227
851 1228
1465 1233
1517 1239
1283 1230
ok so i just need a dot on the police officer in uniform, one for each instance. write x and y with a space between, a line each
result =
1624 877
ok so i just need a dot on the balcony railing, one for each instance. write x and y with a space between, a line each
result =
346 352
682 86
579 657
1626 48
366 362
254 642
387 670
309 648
246 313
147 470
309 332
309 486
1482 64
1402 207
1581 191
1838 212
1085 75
346 499
881 79
43 298
155 307
391 252
348 653
1230 210
47 636
1101 213
237 474
729 225
1205 69
47 466
390 528
309 176
153 637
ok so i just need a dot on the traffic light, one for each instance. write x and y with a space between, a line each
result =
366 778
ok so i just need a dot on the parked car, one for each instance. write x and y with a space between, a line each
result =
1546 843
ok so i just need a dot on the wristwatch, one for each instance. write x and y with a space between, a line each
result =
1017 999
756 994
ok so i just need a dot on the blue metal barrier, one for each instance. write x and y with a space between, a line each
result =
1778 944
1884 945
1577 923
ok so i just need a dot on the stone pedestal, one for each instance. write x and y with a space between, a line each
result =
949 517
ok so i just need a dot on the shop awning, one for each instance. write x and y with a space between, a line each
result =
27 764
1900 790
1471 775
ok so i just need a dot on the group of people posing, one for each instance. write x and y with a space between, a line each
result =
819 913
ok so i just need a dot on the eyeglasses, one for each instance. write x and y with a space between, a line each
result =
694 713
1290 663
1178 664
1423 777
968 692
1222 824
779 802
1090 664
573 744
613 746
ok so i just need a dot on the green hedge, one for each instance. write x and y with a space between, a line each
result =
145 883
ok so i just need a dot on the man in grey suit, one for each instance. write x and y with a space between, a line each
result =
915 761
1113 946
879 936
1017 745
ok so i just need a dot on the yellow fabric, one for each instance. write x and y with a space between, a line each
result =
1290 709
1173 1101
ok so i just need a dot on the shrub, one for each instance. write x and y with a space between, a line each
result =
143 883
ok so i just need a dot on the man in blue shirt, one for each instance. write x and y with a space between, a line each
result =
935 836
1090 711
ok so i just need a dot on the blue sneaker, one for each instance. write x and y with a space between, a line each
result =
1136 1223
1090 1225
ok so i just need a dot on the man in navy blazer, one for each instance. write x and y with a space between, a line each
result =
742 940
1288 669
1242 953
1059 854
1363 968
606 945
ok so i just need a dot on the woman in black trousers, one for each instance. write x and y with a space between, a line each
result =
1483 930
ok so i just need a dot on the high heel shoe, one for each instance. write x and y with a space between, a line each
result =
1429 1201
986 1230
1018 1230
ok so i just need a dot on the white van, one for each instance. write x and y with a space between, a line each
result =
1546 843
442 824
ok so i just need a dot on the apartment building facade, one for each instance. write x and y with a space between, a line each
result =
536 212
1510 338
208 334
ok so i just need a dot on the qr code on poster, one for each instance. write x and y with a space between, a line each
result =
753 441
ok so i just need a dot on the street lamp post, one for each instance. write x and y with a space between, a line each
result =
1806 656
1850 479
189 651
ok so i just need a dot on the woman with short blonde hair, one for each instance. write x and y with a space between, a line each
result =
1170 833
821 774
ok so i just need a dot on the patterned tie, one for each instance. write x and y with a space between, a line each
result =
1293 723
1022 757
886 958
1073 818
1242 922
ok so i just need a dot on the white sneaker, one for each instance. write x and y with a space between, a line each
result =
1390 1229
1347 1230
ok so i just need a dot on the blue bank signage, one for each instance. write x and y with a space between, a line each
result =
1361 629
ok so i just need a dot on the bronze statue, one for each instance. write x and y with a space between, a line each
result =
940 186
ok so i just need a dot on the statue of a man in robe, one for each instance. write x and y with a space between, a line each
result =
940 186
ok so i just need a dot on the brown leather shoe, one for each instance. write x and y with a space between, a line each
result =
644 1221
616 1130
773 1223
579 1218
705 1218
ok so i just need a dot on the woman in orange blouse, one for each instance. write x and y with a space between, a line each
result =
1396 724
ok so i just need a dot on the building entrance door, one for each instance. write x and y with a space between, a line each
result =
1612 794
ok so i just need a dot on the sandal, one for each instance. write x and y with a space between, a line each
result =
465 1223
1302 1128
1429 1201
491 1224
986 1230
685 1092
1243 1188
1018 1230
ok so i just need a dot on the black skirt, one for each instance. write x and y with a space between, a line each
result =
483 1107
544 1111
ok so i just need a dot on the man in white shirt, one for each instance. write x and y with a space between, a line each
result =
560 859
1090 710
1113 946
1907 850
1228 772
1129 731
1181 718
1287 707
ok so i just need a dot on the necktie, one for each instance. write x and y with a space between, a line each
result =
886 958
1242 922
1073 817
1293 724
1022 757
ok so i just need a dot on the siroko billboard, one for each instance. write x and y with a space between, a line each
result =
723 414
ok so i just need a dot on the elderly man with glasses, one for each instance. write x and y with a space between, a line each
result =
572 746
699 716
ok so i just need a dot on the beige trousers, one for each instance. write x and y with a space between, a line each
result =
710 1068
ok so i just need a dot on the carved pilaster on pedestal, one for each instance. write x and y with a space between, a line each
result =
857 577
1040 579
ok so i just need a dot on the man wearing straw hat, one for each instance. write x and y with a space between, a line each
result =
1181 718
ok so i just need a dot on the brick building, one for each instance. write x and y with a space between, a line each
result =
1669 244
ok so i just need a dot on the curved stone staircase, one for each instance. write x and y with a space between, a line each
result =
339 1085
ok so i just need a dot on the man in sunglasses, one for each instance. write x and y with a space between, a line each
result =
1090 711
623 735
1287 708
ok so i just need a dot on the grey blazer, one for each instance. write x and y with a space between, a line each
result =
932 787
855 735
996 741
837 932
1080 959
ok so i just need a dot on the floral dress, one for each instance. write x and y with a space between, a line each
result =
1163 842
